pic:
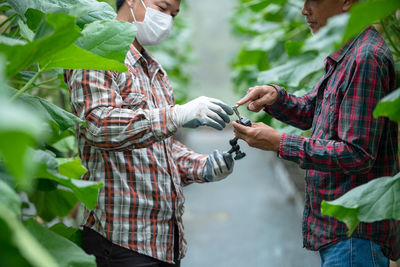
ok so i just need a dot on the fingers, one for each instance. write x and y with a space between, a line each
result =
218 125
225 107
248 97
203 122
216 116
259 96
218 158
228 161
258 104
223 116
219 111
240 131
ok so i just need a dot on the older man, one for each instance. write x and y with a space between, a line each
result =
347 147
128 145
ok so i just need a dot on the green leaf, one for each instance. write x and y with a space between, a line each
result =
71 168
364 14
67 253
20 129
10 199
397 66
293 48
17 239
10 41
75 57
85 191
110 39
34 18
375 201
389 106
87 10
26 33
50 112
22 56
67 145
294 71
70 233
51 201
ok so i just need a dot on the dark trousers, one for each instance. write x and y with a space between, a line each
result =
110 255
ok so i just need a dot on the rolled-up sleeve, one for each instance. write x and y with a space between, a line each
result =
190 164
113 122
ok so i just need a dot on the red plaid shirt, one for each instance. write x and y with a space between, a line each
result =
348 147
128 146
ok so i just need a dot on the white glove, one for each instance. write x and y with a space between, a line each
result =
202 111
218 166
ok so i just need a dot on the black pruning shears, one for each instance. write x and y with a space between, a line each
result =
234 142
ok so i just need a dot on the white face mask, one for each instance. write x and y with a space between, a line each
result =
155 27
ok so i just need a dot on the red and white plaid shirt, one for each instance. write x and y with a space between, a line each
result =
127 145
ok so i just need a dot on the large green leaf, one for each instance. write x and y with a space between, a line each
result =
71 233
20 128
18 246
108 38
71 167
10 199
67 146
87 10
75 57
26 33
85 191
67 253
51 200
64 33
49 112
294 71
374 201
366 13
389 106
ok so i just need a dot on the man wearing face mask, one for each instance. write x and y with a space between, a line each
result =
128 145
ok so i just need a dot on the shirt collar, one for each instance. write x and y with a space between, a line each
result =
135 57
338 56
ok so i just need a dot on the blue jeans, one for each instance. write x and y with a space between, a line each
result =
353 252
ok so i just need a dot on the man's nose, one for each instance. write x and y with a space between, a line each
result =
305 11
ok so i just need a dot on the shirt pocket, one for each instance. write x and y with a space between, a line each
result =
330 113
135 100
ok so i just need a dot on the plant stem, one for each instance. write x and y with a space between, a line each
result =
9 25
389 38
48 81
8 19
27 86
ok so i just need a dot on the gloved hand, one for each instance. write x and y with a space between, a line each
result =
202 111
218 166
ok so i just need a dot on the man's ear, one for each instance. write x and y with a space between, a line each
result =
347 4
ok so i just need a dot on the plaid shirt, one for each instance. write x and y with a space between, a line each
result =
127 145
348 147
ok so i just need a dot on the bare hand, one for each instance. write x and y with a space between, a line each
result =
259 96
259 135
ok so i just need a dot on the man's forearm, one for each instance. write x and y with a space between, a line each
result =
296 111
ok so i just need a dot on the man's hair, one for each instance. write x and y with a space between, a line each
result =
119 3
